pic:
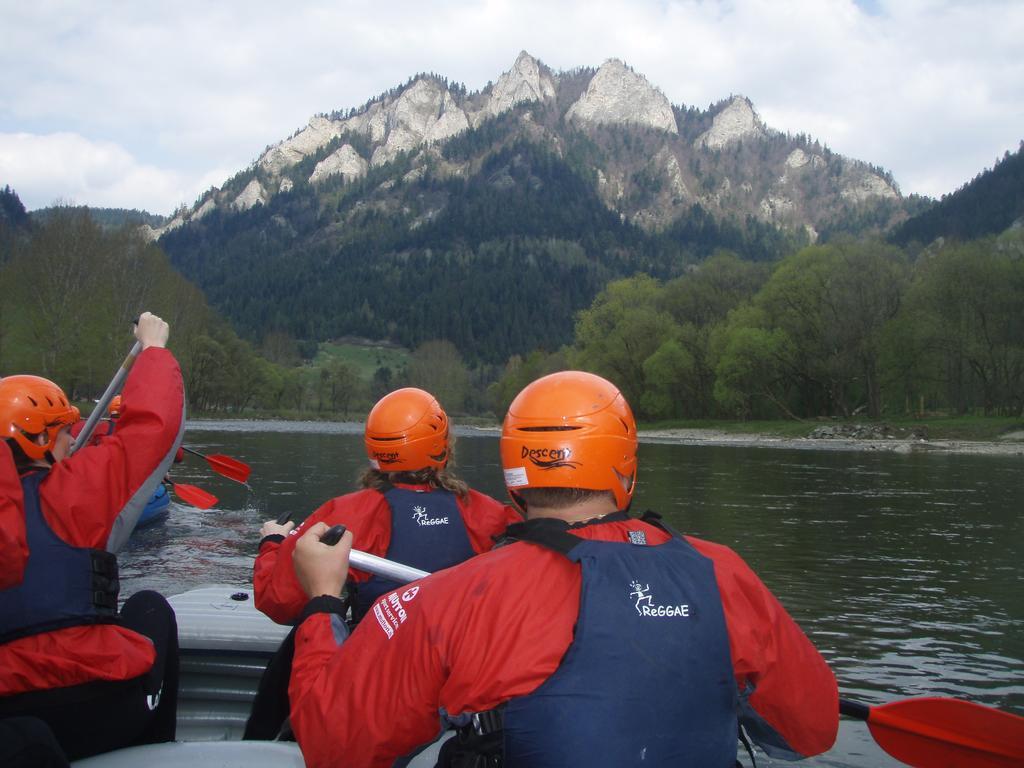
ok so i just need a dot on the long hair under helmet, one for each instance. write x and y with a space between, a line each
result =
570 430
30 406
407 430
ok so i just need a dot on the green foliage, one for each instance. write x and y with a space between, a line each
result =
968 302
836 330
437 367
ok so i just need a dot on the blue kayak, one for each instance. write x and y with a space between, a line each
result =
157 507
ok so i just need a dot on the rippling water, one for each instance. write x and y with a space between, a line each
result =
903 569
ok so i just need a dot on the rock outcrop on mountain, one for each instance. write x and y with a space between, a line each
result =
344 162
863 185
306 142
737 121
619 96
424 113
253 194
525 82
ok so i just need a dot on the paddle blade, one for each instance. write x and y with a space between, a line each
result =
929 732
197 497
233 469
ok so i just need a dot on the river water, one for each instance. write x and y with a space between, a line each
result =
903 569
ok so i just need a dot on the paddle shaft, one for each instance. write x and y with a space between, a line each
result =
386 569
101 407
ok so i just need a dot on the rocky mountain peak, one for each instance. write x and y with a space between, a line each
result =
618 95
736 121
791 184
525 82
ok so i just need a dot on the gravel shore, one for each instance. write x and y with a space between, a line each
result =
1011 445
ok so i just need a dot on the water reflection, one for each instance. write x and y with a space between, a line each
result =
903 569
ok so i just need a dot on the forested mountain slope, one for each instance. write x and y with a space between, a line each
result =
987 205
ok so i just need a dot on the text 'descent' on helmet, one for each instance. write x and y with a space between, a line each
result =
407 430
570 430
32 406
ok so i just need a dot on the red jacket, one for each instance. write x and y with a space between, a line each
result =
365 513
13 547
471 637
81 499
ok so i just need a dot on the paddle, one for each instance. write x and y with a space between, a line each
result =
925 732
197 497
101 405
233 469
379 566
934 731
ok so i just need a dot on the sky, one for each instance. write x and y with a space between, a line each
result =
148 104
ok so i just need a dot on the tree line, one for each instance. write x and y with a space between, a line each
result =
71 288
843 329
840 329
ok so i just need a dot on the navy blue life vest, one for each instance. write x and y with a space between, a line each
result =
63 585
427 532
648 679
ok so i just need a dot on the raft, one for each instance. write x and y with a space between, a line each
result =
156 508
225 644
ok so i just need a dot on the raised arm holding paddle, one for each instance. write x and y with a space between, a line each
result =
99 677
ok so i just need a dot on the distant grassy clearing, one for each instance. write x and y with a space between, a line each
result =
365 358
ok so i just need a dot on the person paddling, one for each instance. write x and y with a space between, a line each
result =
98 677
412 508
591 638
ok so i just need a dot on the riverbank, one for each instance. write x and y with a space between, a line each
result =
1011 444
897 440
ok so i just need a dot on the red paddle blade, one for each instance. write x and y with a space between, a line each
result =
929 732
197 497
233 469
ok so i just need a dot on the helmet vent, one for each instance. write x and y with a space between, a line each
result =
32 400
49 401
549 429
625 426
388 439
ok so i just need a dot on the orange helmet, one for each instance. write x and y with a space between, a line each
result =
407 430
30 406
114 409
570 430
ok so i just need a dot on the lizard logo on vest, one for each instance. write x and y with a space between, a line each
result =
420 515
645 603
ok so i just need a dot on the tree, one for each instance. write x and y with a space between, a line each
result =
832 302
667 373
343 385
438 368
620 330
968 299
751 363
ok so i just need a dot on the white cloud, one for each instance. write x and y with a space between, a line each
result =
932 90
67 168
